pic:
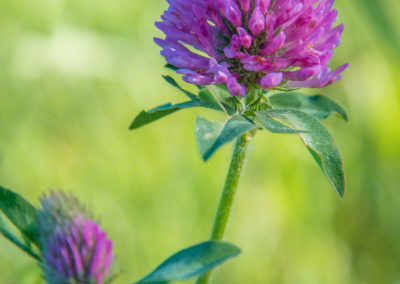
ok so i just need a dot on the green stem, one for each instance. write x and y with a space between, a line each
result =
229 193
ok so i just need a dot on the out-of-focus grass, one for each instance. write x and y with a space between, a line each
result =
74 73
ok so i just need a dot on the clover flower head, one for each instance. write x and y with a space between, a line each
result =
252 43
74 247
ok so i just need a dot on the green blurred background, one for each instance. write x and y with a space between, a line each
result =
73 74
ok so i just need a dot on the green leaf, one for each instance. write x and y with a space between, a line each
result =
319 142
146 117
219 91
193 261
209 99
20 212
171 67
173 83
318 106
205 100
8 235
210 136
272 124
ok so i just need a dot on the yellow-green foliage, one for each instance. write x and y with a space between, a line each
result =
73 74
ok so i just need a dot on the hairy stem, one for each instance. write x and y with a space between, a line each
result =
229 193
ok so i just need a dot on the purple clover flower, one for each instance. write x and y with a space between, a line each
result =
74 248
252 43
78 253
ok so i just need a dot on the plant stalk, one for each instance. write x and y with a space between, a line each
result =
229 192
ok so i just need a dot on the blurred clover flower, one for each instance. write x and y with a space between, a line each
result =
252 43
74 248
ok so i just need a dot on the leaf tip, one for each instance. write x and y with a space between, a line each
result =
134 125
341 192
206 157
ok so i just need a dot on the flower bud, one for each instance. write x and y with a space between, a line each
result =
271 80
74 248
257 21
